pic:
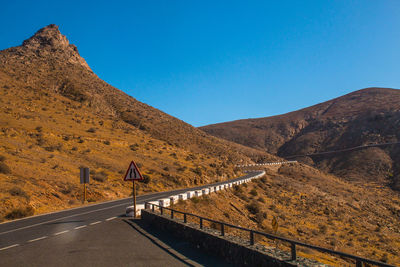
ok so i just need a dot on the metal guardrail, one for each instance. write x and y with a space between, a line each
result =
293 243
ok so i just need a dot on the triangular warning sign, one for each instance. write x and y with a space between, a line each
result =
133 173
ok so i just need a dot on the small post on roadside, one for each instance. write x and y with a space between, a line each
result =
85 179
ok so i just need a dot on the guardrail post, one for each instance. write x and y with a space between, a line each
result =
359 263
172 214
201 223
152 207
251 238
184 218
161 210
222 229
293 251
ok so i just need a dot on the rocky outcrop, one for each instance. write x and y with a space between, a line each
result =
49 40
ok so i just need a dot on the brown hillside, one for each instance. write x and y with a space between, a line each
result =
47 61
313 207
364 117
57 115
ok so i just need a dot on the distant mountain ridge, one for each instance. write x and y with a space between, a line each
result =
366 116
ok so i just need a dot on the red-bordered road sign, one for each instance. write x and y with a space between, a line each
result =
133 173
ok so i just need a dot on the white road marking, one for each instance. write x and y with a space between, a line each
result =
80 227
112 218
12 246
93 223
63 232
61 211
73 215
37 239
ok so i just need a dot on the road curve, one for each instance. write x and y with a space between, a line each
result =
94 235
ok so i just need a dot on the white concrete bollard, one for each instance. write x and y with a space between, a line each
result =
155 203
211 189
165 202
198 193
183 196
130 211
173 199
189 194
216 188
205 191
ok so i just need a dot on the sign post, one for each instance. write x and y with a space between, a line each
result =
85 179
84 193
134 197
133 174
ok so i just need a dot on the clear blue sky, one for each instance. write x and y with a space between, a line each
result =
213 61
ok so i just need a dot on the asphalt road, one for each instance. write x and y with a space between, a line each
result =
97 235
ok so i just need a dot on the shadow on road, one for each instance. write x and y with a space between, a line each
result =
178 248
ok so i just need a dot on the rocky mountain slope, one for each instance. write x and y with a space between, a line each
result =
364 117
57 115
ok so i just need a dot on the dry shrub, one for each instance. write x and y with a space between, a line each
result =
181 169
100 176
195 200
253 207
260 217
52 148
67 189
237 190
20 213
322 228
197 171
146 179
190 157
134 147
4 168
18 192
253 192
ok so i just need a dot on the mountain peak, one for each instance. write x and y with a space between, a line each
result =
49 40
49 36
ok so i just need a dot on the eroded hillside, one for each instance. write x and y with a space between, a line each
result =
313 207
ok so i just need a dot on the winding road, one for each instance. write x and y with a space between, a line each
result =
98 235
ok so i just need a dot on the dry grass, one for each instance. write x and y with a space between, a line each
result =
313 207
50 146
